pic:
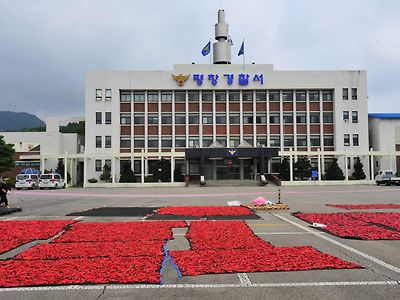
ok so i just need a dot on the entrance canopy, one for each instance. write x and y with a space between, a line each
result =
252 152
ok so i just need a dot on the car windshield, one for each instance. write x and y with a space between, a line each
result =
45 176
22 177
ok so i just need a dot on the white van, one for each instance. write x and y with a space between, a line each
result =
27 181
51 181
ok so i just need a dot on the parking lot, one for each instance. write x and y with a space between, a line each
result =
379 279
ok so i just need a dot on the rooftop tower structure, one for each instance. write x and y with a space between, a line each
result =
221 48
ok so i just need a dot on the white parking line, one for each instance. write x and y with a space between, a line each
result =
369 257
9 219
199 286
266 233
244 279
78 218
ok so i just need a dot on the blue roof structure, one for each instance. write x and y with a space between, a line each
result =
384 115
29 171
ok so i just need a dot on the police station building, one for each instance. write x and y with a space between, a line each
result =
223 120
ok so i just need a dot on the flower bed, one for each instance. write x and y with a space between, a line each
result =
142 269
223 235
16 233
255 260
365 226
203 211
366 206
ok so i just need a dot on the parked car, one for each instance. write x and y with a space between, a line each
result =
387 177
51 181
27 181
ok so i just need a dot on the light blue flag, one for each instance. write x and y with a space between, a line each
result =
206 49
241 51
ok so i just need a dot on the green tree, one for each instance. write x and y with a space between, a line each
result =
358 169
127 174
106 175
284 169
178 176
61 169
162 171
75 127
6 155
302 168
334 172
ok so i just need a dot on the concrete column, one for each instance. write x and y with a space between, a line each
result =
371 164
85 162
214 169
255 171
291 164
172 167
346 173
66 168
113 169
142 166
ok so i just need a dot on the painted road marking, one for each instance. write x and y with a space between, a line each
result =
78 218
251 225
244 279
9 219
199 286
264 233
369 257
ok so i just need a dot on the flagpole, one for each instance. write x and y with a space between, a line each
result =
244 57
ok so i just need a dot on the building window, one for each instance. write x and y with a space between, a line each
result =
274 118
274 141
234 96
138 119
234 142
166 118
108 141
138 142
314 117
348 163
327 117
345 116
354 93
220 118
345 94
193 142
108 117
98 141
287 96
313 95
354 116
207 96
98 117
247 119
193 96
193 118
207 141
327 95
180 142
180 96
138 97
301 96
107 162
166 142
301 118
301 141
108 94
261 119
355 140
315 140
152 143
274 96
261 96
125 142
180 119
261 141
220 96
125 96
98 165
288 118
125 118
207 119
234 118
166 96
152 119
328 140
288 141
347 139
247 95
99 95
152 96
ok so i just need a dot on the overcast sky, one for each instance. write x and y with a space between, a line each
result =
46 46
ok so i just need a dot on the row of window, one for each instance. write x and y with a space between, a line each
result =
346 141
107 141
346 94
99 164
221 118
221 96
107 117
354 116
180 142
107 94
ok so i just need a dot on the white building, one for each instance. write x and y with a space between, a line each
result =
142 116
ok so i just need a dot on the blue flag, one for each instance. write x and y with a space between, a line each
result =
206 49
241 51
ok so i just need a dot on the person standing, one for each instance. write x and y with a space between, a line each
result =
4 189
